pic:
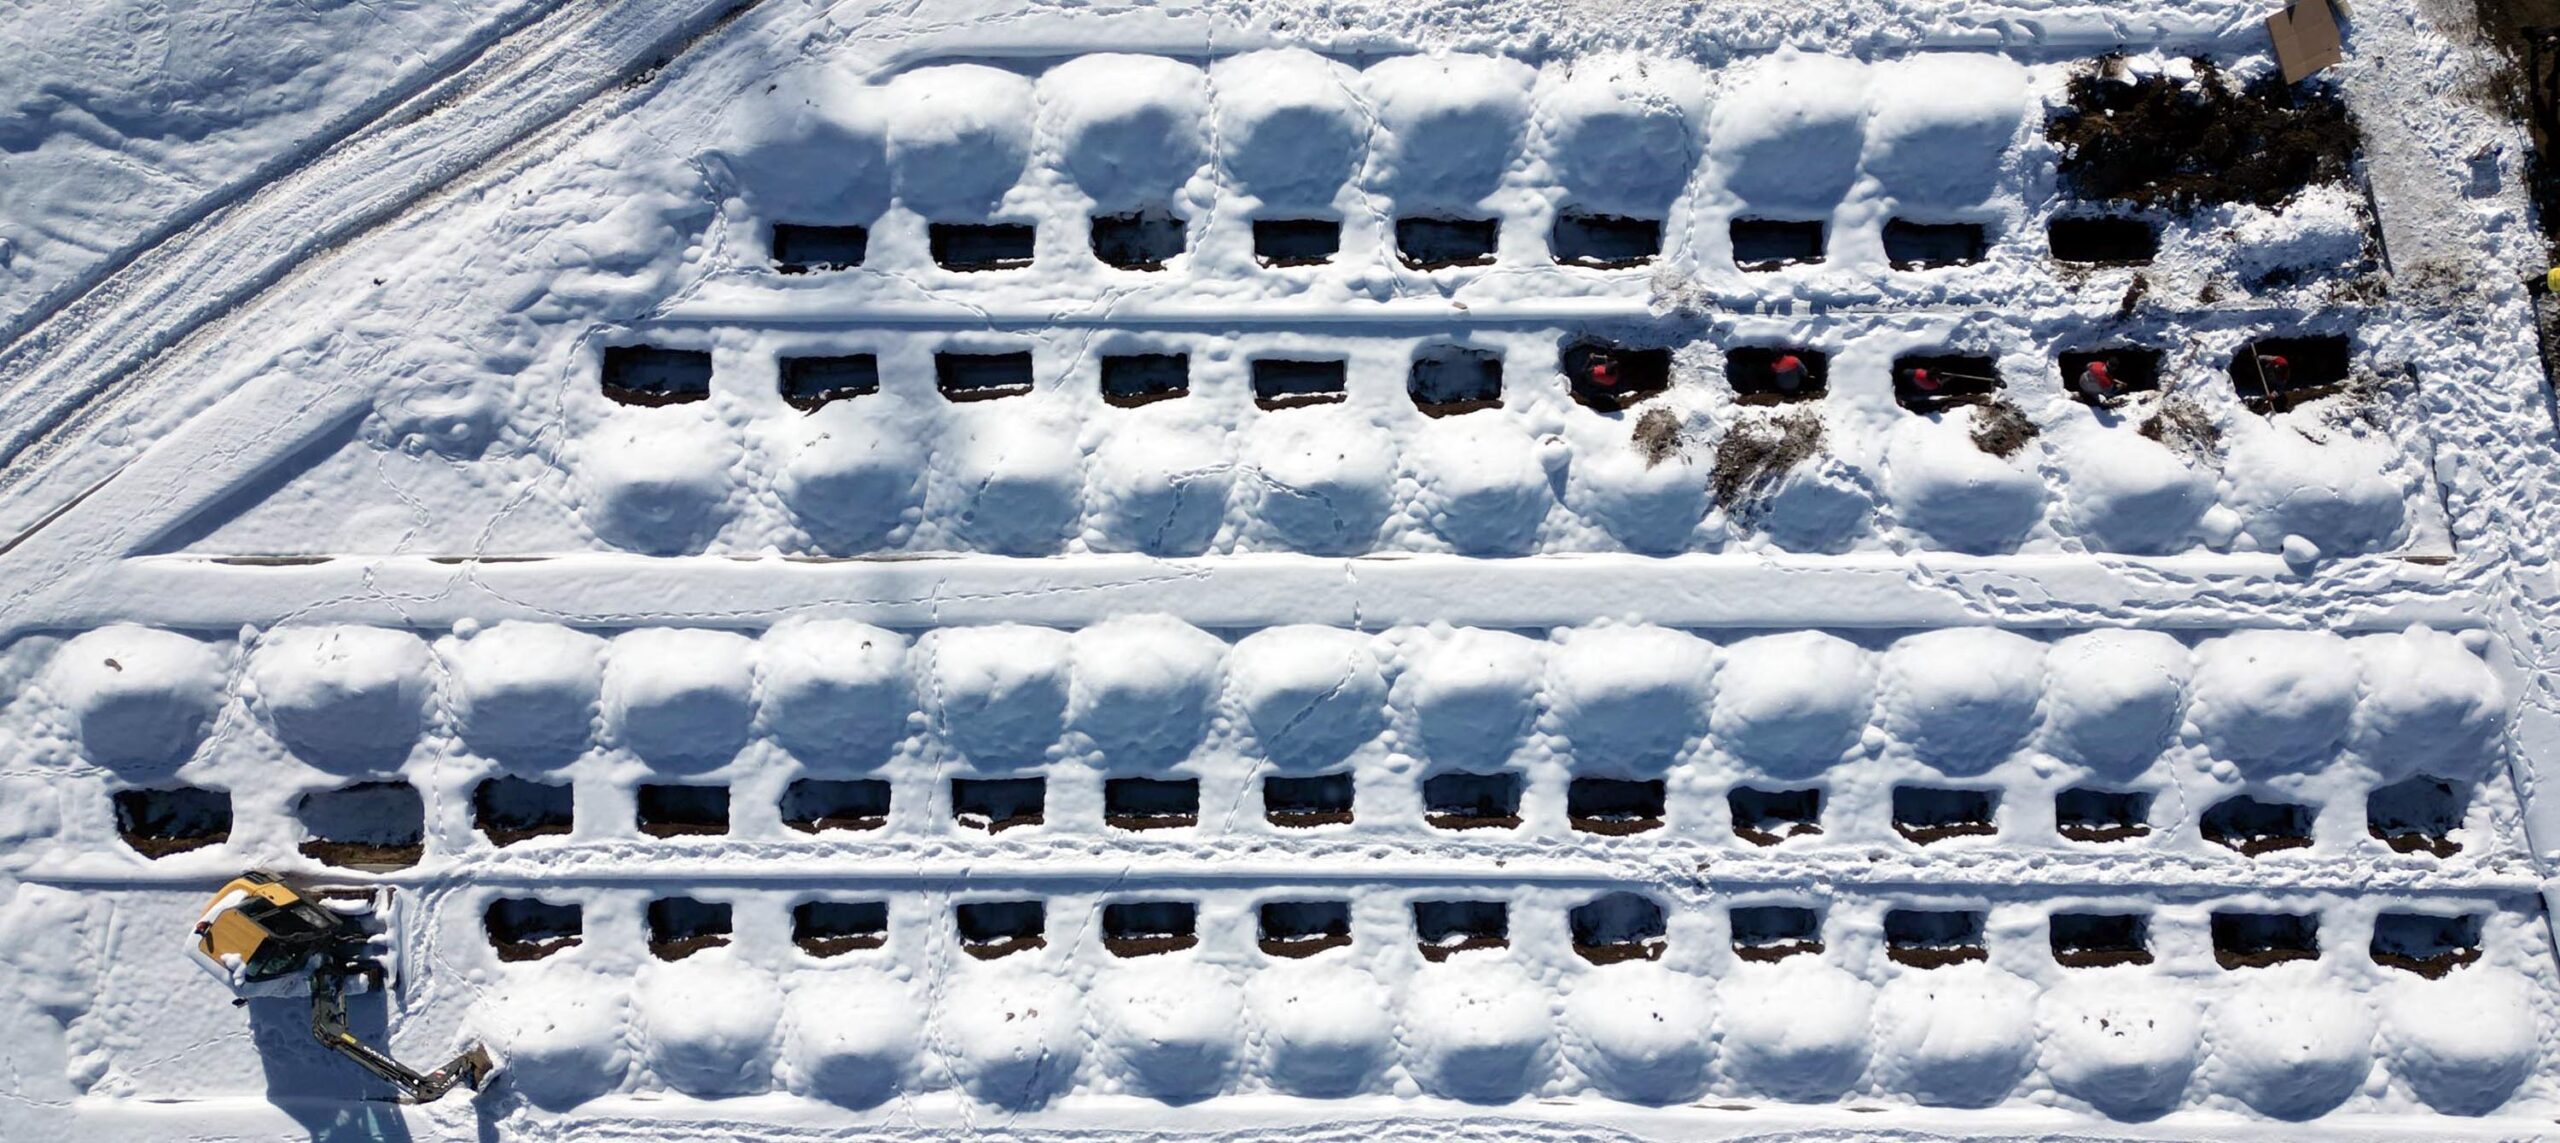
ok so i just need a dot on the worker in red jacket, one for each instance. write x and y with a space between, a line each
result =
1787 375
2098 385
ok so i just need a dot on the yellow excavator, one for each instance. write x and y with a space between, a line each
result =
265 936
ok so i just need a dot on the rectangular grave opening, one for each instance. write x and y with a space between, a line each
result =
2097 940
648 375
368 825
1304 803
2084 814
1933 382
993 929
1777 375
2256 940
2103 240
998 804
521 928
966 377
2272 374
1768 817
1931 245
1609 377
1138 240
1447 928
509 810
834 928
2425 943
1775 932
1436 243
681 926
1151 803
1460 800
1296 241
2098 376
1619 927
1761 245
1606 241
1303 928
1150 928
1614 807
800 249
1133 379
683 811
1933 938
981 245
816 805
812 383
2418 815
1281 383
2254 827
157 823
1927 814
1448 380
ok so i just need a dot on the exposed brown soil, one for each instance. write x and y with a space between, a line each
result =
159 847
2076 831
1926 834
683 829
1299 400
841 944
2180 423
362 855
1455 408
1935 956
1288 819
2430 967
503 836
1135 400
2413 842
512 951
1621 952
2000 429
1777 951
1007 946
2524 38
2158 142
1472 821
1154 944
1757 835
1150 821
2271 843
1438 953
1758 451
1657 436
2100 957
999 825
682 947
854 822
1296 948
2261 958
1615 826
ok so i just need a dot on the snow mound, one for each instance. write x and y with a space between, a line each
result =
1960 1036
1483 489
343 696
1022 481
1144 686
959 135
1477 1032
2130 495
1323 478
999 693
852 484
1172 1027
681 696
1797 1029
1160 492
526 692
2116 697
1787 132
1472 693
1311 694
1288 127
2274 699
708 1023
1942 124
815 149
1621 132
1820 506
854 1036
1012 1039
559 1030
1128 127
1963 698
2465 1043
138 698
1449 125
2429 706
655 481
1963 499
2319 228
2341 494
1326 1029
835 691
2292 1047
1652 508
1642 1032
1794 703
1630 695
2125 1042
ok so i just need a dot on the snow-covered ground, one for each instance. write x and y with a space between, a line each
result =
854 760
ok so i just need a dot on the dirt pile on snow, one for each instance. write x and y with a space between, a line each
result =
2190 134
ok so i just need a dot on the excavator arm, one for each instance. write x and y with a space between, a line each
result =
329 1026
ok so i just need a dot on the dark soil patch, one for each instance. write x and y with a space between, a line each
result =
2257 940
1934 938
2087 815
815 805
2254 827
683 811
1139 240
1151 803
1437 953
2158 142
1446 928
681 926
834 928
800 249
964 377
1618 927
1149 928
1149 945
1296 929
1761 245
1133 379
1768 817
1767 933
522 929
1621 953
368 825
813 383
2103 240
998 804
1657 436
2134 292
359 855
981 245
157 823
1298 948
648 375
1932 956
1280 383
1606 241
1439 243
2425 943
2418 815
2000 429
993 929
1472 801
1926 815
509 810
1614 807
1757 452
1304 803
1448 380
2099 940
1296 241
1775 951
1934 245
2182 424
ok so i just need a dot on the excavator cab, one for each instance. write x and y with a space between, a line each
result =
264 936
